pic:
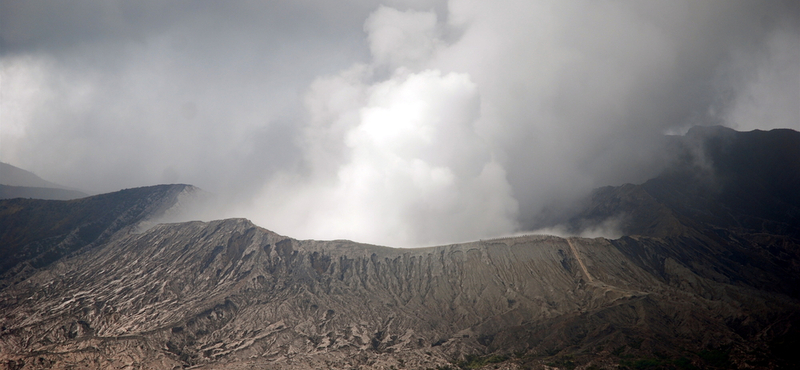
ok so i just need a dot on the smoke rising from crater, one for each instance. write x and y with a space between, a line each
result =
402 123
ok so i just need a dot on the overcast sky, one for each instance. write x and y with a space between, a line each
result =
403 123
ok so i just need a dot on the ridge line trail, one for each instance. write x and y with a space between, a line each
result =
580 262
627 292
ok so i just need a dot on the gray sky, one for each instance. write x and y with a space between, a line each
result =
400 122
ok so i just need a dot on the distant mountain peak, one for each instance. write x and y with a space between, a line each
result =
719 178
18 183
15 176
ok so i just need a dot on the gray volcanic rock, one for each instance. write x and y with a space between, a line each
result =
227 294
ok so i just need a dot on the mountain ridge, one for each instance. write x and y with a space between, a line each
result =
308 299
35 232
686 287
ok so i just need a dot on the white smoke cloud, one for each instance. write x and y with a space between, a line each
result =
394 161
24 77
770 95
576 95
407 123
402 39
409 168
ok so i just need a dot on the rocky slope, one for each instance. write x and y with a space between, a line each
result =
730 201
228 294
684 292
35 233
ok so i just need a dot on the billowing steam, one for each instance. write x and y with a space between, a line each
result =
404 123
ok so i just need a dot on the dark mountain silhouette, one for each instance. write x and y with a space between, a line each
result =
18 183
706 276
15 176
35 233
734 195
745 182
11 192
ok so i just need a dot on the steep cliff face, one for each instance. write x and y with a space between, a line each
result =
228 294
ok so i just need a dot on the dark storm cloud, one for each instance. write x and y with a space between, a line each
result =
403 122
60 26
